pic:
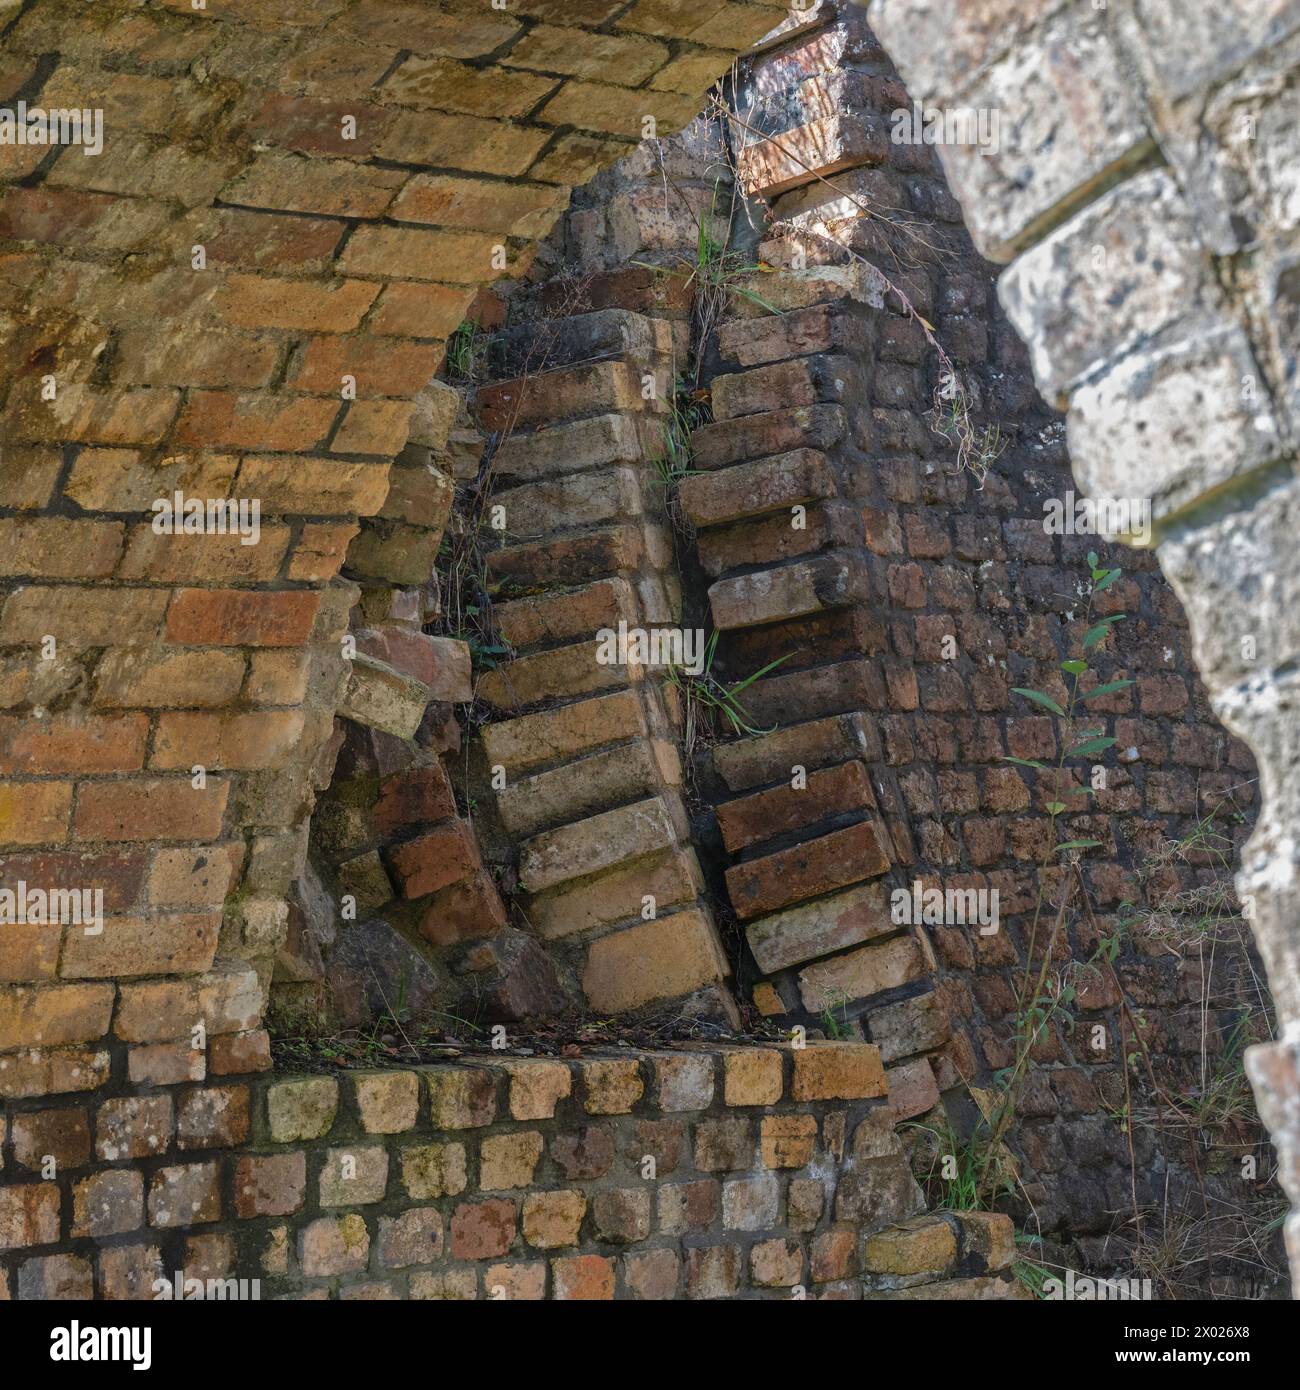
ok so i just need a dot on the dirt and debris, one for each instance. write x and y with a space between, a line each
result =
389 1043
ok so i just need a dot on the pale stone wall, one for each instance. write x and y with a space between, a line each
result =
1144 192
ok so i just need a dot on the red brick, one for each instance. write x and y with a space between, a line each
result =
70 217
806 871
316 127
765 815
237 1053
433 861
270 1184
240 618
422 794
63 1135
256 240
583 1278
482 1230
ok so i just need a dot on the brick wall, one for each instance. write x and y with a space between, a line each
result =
745 1173
910 598
826 405
172 701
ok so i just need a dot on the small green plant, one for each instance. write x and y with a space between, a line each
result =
977 449
688 410
463 351
1046 996
962 1173
1030 1273
836 1028
715 274
707 701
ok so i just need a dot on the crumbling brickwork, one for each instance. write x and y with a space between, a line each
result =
310 202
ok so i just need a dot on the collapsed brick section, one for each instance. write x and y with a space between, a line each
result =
746 1173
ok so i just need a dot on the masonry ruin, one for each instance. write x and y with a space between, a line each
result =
677 788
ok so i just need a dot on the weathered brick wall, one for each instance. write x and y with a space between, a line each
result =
745 1173
242 297
825 406
307 199
911 600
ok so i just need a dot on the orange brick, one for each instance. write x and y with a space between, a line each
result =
54 1015
316 127
432 861
58 548
379 366
156 678
152 809
316 486
82 617
73 743
256 420
411 253
752 1077
239 740
837 1071
583 1278
258 240
261 301
320 552
155 945
374 427
185 559
34 813
334 187
410 310
29 953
